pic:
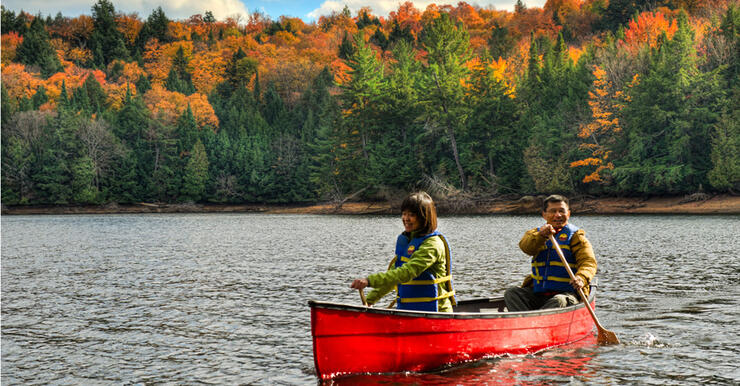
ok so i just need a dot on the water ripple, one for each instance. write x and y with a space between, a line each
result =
221 298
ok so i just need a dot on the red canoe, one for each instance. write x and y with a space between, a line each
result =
351 339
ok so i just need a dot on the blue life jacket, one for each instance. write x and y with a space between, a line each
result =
548 272
422 292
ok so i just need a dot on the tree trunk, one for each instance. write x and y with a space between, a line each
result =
455 154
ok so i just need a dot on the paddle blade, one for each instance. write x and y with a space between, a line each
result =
607 337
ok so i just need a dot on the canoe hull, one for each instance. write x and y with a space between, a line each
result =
350 340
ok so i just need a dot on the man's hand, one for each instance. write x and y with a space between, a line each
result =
359 284
546 231
577 283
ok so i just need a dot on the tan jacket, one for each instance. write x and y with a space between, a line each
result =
533 242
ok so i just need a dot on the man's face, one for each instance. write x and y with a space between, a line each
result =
556 214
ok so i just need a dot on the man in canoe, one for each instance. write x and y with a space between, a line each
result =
421 269
549 285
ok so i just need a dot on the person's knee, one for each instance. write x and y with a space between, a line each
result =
512 293
565 300
562 300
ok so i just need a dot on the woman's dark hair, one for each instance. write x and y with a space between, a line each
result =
554 198
422 206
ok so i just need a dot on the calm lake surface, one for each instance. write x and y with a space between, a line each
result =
222 298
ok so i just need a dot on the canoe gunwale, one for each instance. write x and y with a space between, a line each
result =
452 315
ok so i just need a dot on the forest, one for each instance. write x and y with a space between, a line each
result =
579 97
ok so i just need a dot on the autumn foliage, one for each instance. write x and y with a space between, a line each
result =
576 96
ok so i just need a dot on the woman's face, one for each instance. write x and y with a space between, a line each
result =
410 221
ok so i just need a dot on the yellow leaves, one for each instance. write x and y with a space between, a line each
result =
602 127
116 94
284 38
208 70
79 55
167 106
574 53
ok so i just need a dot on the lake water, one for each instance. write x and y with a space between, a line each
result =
222 298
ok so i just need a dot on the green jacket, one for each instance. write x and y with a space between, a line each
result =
430 255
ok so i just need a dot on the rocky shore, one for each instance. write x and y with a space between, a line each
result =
692 204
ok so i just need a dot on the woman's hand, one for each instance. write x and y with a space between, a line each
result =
359 284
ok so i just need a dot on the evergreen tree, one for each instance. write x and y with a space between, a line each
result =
155 27
106 41
380 39
397 34
669 120
39 98
82 181
143 85
7 108
500 43
358 98
179 78
186 132
493 144
346 48
35 50
195 175
725 154
448 47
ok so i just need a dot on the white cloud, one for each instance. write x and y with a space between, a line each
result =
174 9
384 7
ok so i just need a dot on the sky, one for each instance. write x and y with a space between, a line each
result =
181 9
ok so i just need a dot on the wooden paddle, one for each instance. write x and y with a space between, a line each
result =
362 296
605 336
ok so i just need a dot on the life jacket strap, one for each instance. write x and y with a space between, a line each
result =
427 282
421 300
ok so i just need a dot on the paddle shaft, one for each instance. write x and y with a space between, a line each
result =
362 296
605 336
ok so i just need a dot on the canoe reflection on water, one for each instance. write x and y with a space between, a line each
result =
563 364
351 340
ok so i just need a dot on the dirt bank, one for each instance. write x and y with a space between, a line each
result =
694 204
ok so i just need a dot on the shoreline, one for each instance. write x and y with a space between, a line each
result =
692 204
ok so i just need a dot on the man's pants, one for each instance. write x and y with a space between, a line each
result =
525 299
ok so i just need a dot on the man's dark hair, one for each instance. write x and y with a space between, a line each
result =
422 205
554 198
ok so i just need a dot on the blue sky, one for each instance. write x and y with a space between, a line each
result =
181 9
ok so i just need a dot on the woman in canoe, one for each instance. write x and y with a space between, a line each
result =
421 269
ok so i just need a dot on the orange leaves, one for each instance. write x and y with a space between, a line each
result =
129 26
167 106
586 162
407 17
131 71
646 30
158 58
10 43
178 31
468 15
18 82
341 70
